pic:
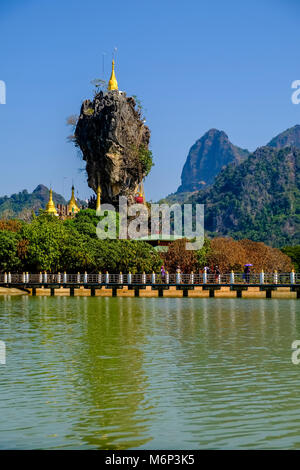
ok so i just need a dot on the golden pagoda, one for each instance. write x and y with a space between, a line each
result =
72 206
113 84
50 207
98 203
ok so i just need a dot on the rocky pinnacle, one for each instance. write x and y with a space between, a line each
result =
110 133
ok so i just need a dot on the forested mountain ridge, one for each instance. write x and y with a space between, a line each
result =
258 199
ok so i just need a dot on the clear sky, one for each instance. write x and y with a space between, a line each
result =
195 64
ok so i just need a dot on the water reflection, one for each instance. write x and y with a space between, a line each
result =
116 373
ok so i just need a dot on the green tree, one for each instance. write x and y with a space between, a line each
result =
203 254
294 253
45 235
9 260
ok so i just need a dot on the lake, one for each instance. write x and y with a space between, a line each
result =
149 373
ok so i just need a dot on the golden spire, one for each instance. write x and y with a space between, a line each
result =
50 207
98 203
113 84
72 206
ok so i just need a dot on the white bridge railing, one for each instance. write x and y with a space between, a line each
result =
152 278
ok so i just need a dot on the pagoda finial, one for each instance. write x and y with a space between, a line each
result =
50 207
98 203
113 84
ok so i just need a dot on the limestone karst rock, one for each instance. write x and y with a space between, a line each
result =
113 138
206 159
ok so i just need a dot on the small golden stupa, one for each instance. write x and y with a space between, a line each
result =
98 203
113 84
72 206
50 207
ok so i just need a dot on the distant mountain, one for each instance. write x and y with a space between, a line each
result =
288 138
206 158
22 204
258 199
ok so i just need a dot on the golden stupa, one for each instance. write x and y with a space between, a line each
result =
72 206
98 203
113 84
50 207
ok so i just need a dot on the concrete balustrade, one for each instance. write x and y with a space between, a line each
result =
262 278
267 283
292 277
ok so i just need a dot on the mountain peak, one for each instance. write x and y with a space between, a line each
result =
214 133
206 159
41 188
288 138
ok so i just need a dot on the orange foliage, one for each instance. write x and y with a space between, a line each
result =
22 248
230 254
10 225
177 255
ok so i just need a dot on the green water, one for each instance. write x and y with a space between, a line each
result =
121 373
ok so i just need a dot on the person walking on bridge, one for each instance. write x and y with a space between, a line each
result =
247 273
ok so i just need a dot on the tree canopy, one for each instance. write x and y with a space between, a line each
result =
49 244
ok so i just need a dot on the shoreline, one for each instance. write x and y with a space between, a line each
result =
198 292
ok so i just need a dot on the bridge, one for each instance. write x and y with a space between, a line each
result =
236 282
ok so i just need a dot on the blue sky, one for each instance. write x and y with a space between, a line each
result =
195 64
